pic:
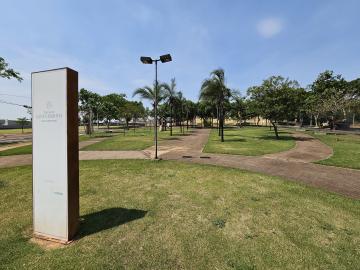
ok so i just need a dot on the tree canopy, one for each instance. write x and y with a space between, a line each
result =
8 73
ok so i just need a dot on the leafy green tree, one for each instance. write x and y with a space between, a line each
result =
8 73
214 90
90 105
276 99
328 95
191 112
238 109
354 98
131 110
111 104
22 122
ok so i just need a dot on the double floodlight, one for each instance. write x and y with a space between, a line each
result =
148 60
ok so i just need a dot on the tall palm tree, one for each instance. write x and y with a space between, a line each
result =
170 93
214 90
148 93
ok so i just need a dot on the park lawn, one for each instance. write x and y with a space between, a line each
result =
142 214
27 149
15 131
346 149
249 141
21 150
139 139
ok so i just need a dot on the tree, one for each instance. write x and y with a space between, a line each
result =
131 110
191 111
238 108
148 93
8 73
87 103
179 104
328 95
354 98
170 93
276 99
22 122
111 104
214 90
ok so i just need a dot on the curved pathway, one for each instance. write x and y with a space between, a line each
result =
294 164
307 149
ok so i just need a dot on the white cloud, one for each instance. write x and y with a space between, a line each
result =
270 27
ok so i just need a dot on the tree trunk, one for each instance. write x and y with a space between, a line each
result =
276 130
316 120
97 120
353 120
258 120
222 124
171 120
311 119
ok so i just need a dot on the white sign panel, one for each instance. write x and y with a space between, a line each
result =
50 153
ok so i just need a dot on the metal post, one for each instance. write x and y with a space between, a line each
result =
155 109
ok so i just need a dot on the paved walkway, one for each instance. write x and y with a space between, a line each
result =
15 138
294 164
307 149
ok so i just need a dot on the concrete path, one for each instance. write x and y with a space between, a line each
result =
293 164
15 138
91 155
19 160
307 149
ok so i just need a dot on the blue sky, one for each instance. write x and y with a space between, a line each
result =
103 41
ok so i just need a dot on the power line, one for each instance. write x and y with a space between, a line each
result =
15 104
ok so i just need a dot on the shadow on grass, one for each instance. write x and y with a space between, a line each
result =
273 138
107 219
170 139
235 140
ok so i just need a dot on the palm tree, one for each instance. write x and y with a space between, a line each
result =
180 102
170 95
148 93
214 90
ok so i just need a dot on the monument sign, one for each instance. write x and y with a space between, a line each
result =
55 154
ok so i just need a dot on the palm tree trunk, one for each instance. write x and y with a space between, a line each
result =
218 120
171 120
222 124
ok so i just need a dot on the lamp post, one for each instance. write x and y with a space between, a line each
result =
148 60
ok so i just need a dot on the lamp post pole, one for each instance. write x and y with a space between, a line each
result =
148 60
155 110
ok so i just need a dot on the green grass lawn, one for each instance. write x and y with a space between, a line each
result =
168 215
141 139
249 141
21 150
15 131
346 149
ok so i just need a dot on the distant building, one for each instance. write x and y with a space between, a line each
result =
12 124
